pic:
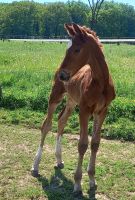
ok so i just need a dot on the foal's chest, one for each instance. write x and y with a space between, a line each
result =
75 85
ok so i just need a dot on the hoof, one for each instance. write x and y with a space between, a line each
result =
35 173
59 166
77 193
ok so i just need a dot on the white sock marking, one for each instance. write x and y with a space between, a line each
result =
92 179
37 159
77 187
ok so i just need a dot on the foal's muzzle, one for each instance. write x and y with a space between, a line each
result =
64 76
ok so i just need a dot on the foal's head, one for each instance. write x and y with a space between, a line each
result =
81 46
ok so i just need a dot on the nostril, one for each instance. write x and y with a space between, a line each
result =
61 76
64 76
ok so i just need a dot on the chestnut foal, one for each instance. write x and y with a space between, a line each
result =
84 77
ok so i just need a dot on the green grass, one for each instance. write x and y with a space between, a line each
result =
114 169
27 71
26 76
121 61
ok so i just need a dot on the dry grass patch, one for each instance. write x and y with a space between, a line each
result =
114 172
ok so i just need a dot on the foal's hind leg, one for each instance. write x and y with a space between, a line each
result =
63 117
55 97
82 147
95 141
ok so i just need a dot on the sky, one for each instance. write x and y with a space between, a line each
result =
130 2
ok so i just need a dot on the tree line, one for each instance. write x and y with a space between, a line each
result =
25 19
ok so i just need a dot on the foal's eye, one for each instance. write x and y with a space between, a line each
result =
77 50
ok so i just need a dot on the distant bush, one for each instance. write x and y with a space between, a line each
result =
124 130
121 107
11 102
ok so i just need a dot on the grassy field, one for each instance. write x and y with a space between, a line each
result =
26 74
115 169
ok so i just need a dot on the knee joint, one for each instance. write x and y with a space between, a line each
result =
91 172
78 176
94 146
82 147
46 127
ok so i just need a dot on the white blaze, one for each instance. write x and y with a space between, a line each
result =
69 44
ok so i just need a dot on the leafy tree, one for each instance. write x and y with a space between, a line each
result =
79 12
25 19
55 15
114 20
19 19
95 6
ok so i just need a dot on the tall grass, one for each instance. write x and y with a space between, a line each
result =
121 61
26 76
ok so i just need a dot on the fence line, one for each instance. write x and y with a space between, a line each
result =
113 41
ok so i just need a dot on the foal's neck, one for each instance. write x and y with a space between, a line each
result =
99 66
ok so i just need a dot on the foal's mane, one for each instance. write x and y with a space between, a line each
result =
93 33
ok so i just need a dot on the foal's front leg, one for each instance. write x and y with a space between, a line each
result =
82 147
95 141
56 96
62 121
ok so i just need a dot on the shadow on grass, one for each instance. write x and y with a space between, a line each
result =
60 187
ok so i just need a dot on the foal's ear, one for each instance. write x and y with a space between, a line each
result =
77 29
80 31
69 28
